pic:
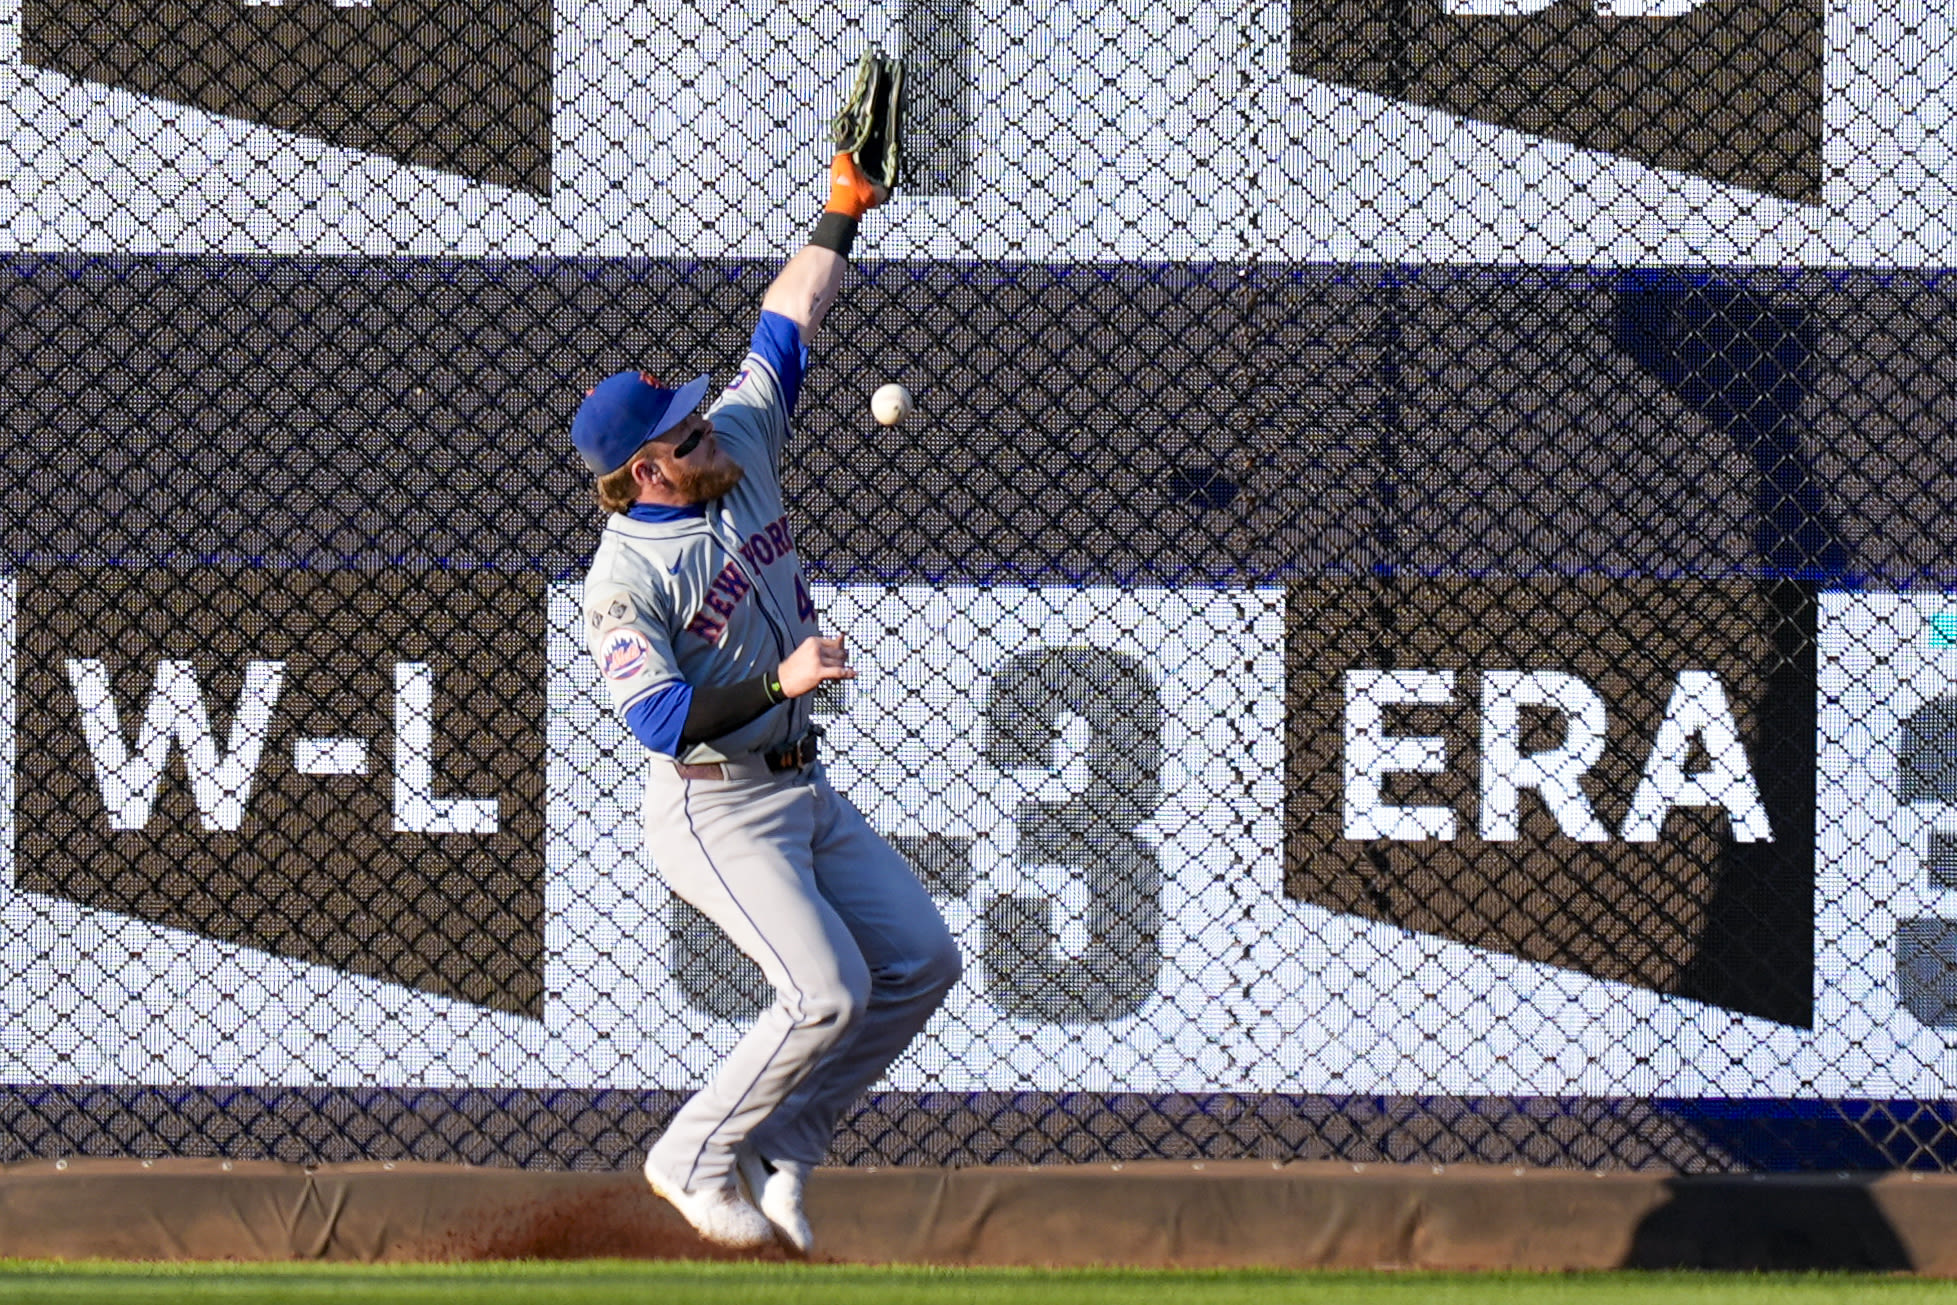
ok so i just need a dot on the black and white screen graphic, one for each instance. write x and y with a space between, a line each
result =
1728 90
1411 618
337 767
1463 753
462 86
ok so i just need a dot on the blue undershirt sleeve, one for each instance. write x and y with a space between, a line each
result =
657 718
779 342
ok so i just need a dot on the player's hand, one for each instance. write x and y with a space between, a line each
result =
850 192
819 658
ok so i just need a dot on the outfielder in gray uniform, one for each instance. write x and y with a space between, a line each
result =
699 616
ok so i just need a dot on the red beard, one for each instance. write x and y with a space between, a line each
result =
704 484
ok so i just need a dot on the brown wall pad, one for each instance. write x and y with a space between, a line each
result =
373 1211
1149 1214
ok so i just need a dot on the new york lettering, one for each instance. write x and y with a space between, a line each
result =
764 546
728 588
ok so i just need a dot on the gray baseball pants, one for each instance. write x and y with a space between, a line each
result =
839 924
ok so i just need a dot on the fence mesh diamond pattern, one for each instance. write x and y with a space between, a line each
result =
1413 620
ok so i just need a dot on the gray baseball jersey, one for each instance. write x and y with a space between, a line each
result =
712 599
783 864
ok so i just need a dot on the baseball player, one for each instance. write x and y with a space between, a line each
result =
698 614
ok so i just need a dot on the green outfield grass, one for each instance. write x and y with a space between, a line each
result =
25 1282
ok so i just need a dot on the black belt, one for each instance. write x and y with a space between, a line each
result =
792 756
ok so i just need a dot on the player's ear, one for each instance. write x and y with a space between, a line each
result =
646 472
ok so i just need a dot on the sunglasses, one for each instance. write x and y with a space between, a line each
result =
691 442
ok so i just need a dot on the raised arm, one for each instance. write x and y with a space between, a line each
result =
809 282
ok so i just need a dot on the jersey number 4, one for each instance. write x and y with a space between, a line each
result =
804 605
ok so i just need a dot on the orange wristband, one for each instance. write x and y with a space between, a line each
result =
850 192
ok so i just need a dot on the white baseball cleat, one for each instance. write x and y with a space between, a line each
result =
720 1215
777 1189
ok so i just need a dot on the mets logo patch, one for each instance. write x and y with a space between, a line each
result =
623 654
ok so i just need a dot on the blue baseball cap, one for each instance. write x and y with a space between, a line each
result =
622 412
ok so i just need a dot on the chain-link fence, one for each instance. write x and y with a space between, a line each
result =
1410 622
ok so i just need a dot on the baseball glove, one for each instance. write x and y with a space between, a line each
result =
871 124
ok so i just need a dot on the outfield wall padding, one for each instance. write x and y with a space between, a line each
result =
1156 1214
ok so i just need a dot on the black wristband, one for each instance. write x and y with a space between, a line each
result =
835 231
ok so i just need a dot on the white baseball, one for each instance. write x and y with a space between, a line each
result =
890 404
